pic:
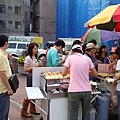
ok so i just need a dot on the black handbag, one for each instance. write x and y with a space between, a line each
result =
14 83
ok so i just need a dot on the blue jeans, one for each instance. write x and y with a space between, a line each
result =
118 99
4 106
74 99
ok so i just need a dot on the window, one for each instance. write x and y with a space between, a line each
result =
17 10
12 45
21 46
2 8
9 8
31 15
17 25
9 22
2 24
31 2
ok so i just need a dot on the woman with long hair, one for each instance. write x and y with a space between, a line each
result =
30 62
102 54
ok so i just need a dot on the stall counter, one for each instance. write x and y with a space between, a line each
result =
51 108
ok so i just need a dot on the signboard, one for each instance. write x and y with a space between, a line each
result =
38 40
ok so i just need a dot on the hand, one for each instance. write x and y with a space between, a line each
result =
89 71
115 82
37 64
10 92
9 57
114 62
99 62
63 60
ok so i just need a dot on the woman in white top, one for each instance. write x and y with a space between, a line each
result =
30 62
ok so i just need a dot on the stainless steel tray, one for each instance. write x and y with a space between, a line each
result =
52 79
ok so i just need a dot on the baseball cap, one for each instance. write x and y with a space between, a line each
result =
90 45
77 47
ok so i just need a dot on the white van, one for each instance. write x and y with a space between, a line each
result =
17 48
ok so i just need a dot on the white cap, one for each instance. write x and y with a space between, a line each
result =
77 46
90 45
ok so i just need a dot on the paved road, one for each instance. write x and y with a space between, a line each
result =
16 101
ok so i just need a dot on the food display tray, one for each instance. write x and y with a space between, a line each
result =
104 75
52 79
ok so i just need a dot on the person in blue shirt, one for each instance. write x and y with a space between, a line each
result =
52 58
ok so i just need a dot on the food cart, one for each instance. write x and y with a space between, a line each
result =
54 101
54 105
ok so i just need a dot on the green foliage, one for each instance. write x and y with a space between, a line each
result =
21 60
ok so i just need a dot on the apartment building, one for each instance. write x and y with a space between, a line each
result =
44 18
15 16
23 17
28 20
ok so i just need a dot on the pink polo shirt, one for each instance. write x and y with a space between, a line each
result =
79 66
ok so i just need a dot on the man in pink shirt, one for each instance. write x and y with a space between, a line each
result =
79 87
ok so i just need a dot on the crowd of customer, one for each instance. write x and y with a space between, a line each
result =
82 63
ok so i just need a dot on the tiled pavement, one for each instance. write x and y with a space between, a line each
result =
16 101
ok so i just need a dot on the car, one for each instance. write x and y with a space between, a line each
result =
17 48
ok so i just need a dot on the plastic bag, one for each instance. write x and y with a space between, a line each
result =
113 97
114 102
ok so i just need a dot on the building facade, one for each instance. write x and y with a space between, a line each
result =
12 17
28 17
15 16
28 20
44 18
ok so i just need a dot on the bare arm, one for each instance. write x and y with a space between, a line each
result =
116 79
5 81
113 63
27 68
65 71
93 72
61 62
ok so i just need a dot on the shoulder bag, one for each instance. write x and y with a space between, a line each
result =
13 81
